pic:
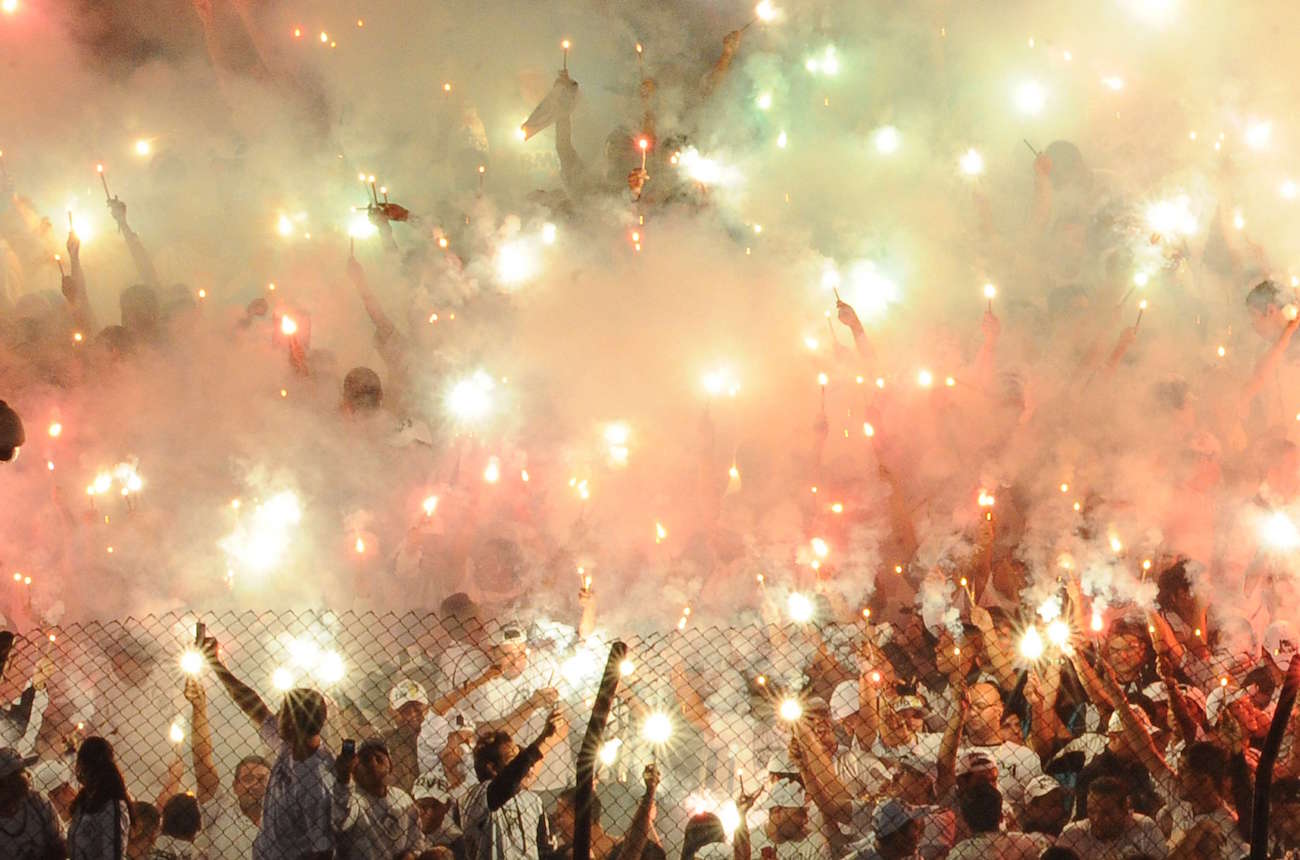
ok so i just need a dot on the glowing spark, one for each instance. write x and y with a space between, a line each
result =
1141 279
56 430
888 140
471 399
1031 98
176 734
430 505
837 508
660 533
1288 189
799 607
626 667
924 378
1172 216
281 679
284 225
764 101
608 752
549 233
790 710
261 541
1058 633
868 430
1114 82
360 545
360 227
191 662
782 140
707 171
1031 644
287 326
721 381
324 37
492 473
516 263
1238 222
1115 545
1065 488
1258 134
987 499
1279 532
765 11
972 163
658 728
820 548
8 7
143 147
990 292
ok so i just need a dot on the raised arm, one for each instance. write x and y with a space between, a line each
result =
245 697
143 264
946 766
384 327
1268 365
74 288
715 76
513 722
507 783
638 832
446 702
207 780
828 792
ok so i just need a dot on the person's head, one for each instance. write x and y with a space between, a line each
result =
460 616
913 782
1201 773
981 807
984 720
1284 809
432 801
362 391
249 783
955 654
1116 740
145 822
1265 303
1045 810
1108 808
302 716
897 830
409 702
1057 852
1128 648
96 768
141 310
817 714
492 752
1174 590
787 810
374 766
910 710
702 829
564 816
14 780
512 651
12 436
976 766
180 818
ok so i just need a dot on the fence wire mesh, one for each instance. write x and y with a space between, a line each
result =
821 741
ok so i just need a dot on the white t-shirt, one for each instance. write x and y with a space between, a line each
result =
998 846
509 833
226 830
374 828
171 848
296 809
812 847
1142 837
29 833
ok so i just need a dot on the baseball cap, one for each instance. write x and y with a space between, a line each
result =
909 702
11 762
431 786
1041 786
844 700
1279 644
892 816
975 761
1116 725
405 691
786 794
1156 692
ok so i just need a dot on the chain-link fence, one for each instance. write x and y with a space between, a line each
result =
816 741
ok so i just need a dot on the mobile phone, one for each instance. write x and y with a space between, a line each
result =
349 747
200 632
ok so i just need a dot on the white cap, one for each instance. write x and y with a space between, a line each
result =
431 786
1116 725
1218 701
1156 692
1041 786
405 691
1279 644
786 794
844 701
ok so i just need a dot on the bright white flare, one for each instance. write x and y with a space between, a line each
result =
888 140
471 398
175 733
766 10
658 728
1058 633
608 753
720 381
143 147
1279 532
281 679
1031 644
360 227
1172 216
191 662
790 710
799 607
972 163
516 263
259 542
1031 98
707 171
1258 134
331 668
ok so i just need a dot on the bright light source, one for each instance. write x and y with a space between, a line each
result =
1258 134
1031 644
764 101
361 227
1113 82
331 668
143 147
658 728
281 679
1058 633
790 710
799 607
471 399
191 662
972 163
888 140
608 753
1031 98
